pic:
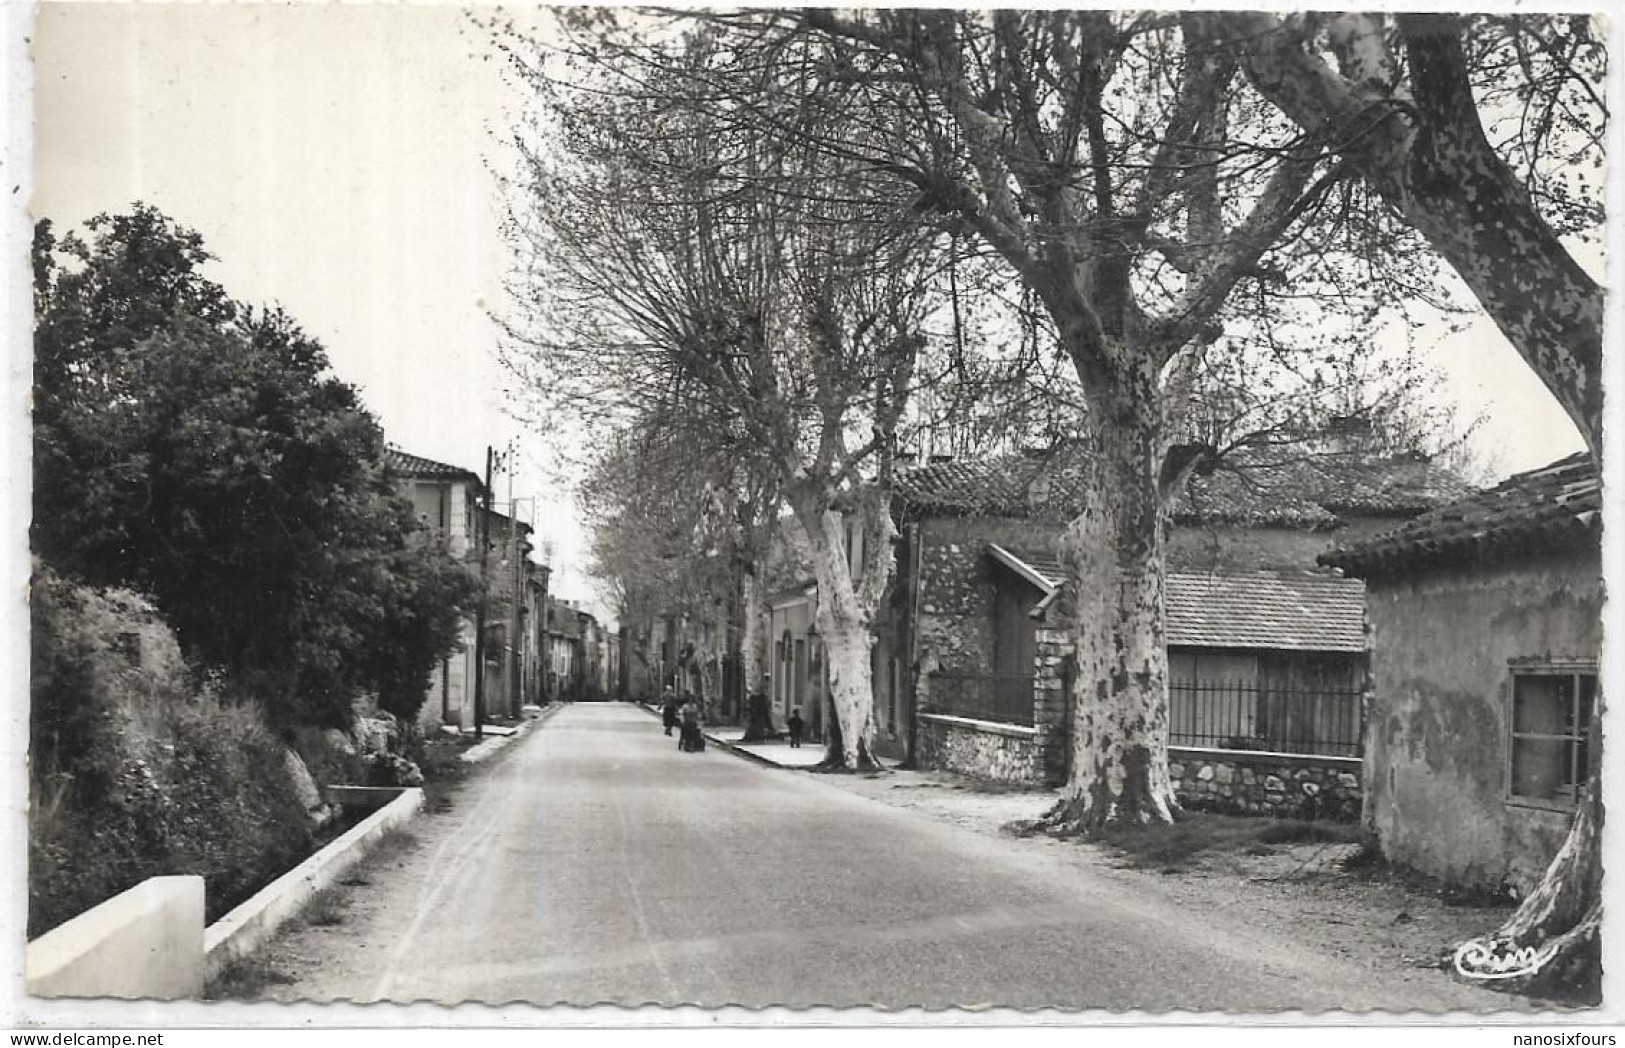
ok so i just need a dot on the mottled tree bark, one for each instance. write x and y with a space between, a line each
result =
1118 679
845 618
758 719
1420 142
1552 944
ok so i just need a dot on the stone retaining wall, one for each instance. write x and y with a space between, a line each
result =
980 749
1238 782
242 931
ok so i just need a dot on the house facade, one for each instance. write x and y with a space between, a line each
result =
1486 619
564 661
1266 650
793 662
797 679
446 499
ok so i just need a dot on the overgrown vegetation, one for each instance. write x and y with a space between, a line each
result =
1176 846
440 758
245 979
225 574
139 767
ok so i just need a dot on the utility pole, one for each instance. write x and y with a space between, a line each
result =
510 658
479 607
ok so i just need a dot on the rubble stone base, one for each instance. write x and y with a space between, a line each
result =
1236 782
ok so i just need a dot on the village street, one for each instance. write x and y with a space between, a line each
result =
593 862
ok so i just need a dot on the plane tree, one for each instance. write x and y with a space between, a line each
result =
1126 178
767 304
1486 135
1148 195
674 532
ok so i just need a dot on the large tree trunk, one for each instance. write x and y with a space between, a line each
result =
757 715
1552 945
750 631
847 645
1430 159
845 621
1118 679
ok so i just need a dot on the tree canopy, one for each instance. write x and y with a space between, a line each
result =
199 450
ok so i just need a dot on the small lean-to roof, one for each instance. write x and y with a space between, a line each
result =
1276 487
1552 509
1278 612
1257 610
409 465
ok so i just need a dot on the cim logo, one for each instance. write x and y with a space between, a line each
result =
1489 959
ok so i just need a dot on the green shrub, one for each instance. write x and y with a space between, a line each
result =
138 769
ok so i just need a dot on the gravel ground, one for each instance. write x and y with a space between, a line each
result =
1377 920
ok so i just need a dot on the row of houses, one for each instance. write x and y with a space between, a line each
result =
537 646
1346 633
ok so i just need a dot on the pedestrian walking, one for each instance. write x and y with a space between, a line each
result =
668 710
692 739
796 726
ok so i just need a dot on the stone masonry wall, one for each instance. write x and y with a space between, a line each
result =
957 585
1276 784
1004 755
1050 715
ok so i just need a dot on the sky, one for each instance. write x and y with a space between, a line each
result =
334 158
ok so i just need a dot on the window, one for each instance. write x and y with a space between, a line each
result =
798 678
1551 722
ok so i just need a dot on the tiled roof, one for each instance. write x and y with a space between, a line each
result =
1554 508
408 465
1048 571
1264 482
1296 612
1250 488
1291 612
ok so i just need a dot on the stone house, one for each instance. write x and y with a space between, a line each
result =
447 500
565 660
1267 651
507 642
1486 620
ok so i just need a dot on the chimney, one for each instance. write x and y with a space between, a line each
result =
1347 433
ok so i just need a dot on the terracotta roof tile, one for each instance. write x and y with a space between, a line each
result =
1253 488
408 465
1280 612
1553 508
1261 610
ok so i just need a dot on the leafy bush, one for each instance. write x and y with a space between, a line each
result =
200 451
138 769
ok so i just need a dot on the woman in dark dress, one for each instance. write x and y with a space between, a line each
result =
692 741
668 710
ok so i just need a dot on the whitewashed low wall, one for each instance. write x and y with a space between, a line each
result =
146 942
244 929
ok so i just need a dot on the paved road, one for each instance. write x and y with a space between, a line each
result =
595 863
